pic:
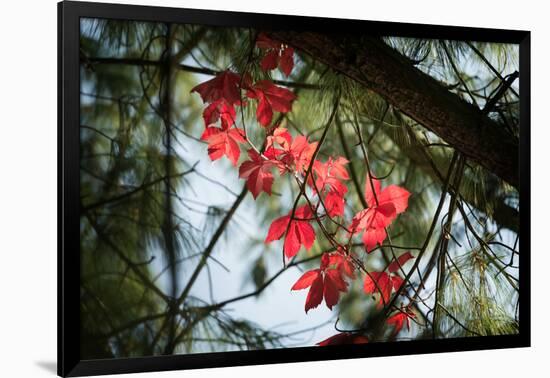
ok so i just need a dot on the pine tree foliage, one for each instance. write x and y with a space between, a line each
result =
145 229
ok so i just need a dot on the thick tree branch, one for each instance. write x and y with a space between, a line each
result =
383 70
504 214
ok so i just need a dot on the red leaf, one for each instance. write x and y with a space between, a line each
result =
328 178
280 137
384 206
369 196
332 271
335 169
300 153
338 260
328 281
264 42
292 243
401 260
300 232
306 279
347 267
219 109
293 154
314 280
373 236
286 63
277 229
224 86
330 291
223 141
344 338
399 319
334 204
373 217
270 98
257 172
277 55
333 285
315 294
393 194
329 175
270 61
396 282
373 222
380 283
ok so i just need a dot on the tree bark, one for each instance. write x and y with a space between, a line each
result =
383 70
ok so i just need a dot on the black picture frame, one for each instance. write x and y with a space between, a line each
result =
69 362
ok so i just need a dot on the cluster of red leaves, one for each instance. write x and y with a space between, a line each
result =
296 156
326 282
222 94
276 55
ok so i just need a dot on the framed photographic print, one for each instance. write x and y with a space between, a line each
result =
241 188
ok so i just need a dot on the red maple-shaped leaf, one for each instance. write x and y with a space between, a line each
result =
257 172
297 231
270 98
326 282
277 55
224 86
399 319
384 206
223 141
344 338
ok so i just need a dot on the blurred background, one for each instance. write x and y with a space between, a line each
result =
172 249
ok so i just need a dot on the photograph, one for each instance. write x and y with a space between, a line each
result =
246 189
